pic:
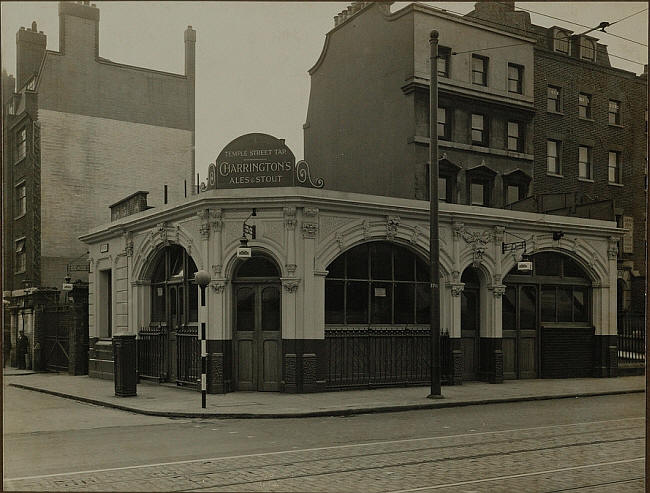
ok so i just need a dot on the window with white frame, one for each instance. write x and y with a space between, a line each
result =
21 256
561 41
614 112
479 130
584 105
553 157
614 168
20 144
444 58
585 168
21 199
444 128
514 137
587 49
553 102
515 78
479 70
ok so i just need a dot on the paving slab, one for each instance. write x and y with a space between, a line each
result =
162 400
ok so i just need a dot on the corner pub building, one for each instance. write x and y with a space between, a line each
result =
336 293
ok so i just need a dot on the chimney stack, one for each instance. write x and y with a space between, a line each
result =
78 36
30 49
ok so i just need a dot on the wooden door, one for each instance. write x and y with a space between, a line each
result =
470 328
520 328
258 336
172 327
527 333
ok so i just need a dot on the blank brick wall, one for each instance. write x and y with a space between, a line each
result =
89 163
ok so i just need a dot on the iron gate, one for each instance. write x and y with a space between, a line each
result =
153 359
56 340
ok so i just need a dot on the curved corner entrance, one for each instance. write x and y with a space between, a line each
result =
257 338
169 347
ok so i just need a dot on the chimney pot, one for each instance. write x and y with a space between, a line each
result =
34 26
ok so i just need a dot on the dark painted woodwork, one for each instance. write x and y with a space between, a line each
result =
303 365
491 360
567 352
605 356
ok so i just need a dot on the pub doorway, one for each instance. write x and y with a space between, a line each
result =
174 320
257 335
470 322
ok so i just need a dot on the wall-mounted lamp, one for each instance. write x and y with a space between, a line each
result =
248 229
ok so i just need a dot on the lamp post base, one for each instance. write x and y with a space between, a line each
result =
435 396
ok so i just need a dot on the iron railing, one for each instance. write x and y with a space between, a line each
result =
152 348
188 358
376 357
631 338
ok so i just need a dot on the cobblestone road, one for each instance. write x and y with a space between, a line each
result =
598 456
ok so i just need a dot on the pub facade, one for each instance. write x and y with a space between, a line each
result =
336 292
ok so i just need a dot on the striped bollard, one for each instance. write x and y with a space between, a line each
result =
203 279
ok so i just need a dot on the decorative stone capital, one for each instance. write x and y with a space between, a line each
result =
160 231
309 230
216 269
498 290
596 284
310 211
218 285
456 288
290 284
291 268
392 224
457 227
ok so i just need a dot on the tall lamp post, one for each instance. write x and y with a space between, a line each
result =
202 278
434 245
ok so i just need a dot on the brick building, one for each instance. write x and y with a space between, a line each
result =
590 134
369 106
79 133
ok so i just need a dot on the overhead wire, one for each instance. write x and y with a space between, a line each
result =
527 32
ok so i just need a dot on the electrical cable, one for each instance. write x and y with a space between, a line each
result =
528 33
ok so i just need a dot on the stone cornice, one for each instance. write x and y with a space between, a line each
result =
361 204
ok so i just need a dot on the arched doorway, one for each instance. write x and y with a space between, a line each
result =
377 299
174 310
470 322
547 329
257 334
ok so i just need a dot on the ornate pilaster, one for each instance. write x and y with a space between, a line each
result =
290 227
365 226
128 243
204 226
612 248
415 234
216 225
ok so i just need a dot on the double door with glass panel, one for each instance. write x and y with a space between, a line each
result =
257 337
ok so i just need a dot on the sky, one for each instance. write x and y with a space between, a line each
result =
253 57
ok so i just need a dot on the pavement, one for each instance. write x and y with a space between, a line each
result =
163 400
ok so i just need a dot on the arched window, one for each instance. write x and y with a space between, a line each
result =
174 267
377 283
563 286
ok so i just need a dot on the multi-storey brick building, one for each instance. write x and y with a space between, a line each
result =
590 133
80 133
369 106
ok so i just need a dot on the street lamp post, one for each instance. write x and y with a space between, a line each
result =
202 278
434 245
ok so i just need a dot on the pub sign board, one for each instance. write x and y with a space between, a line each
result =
257 160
